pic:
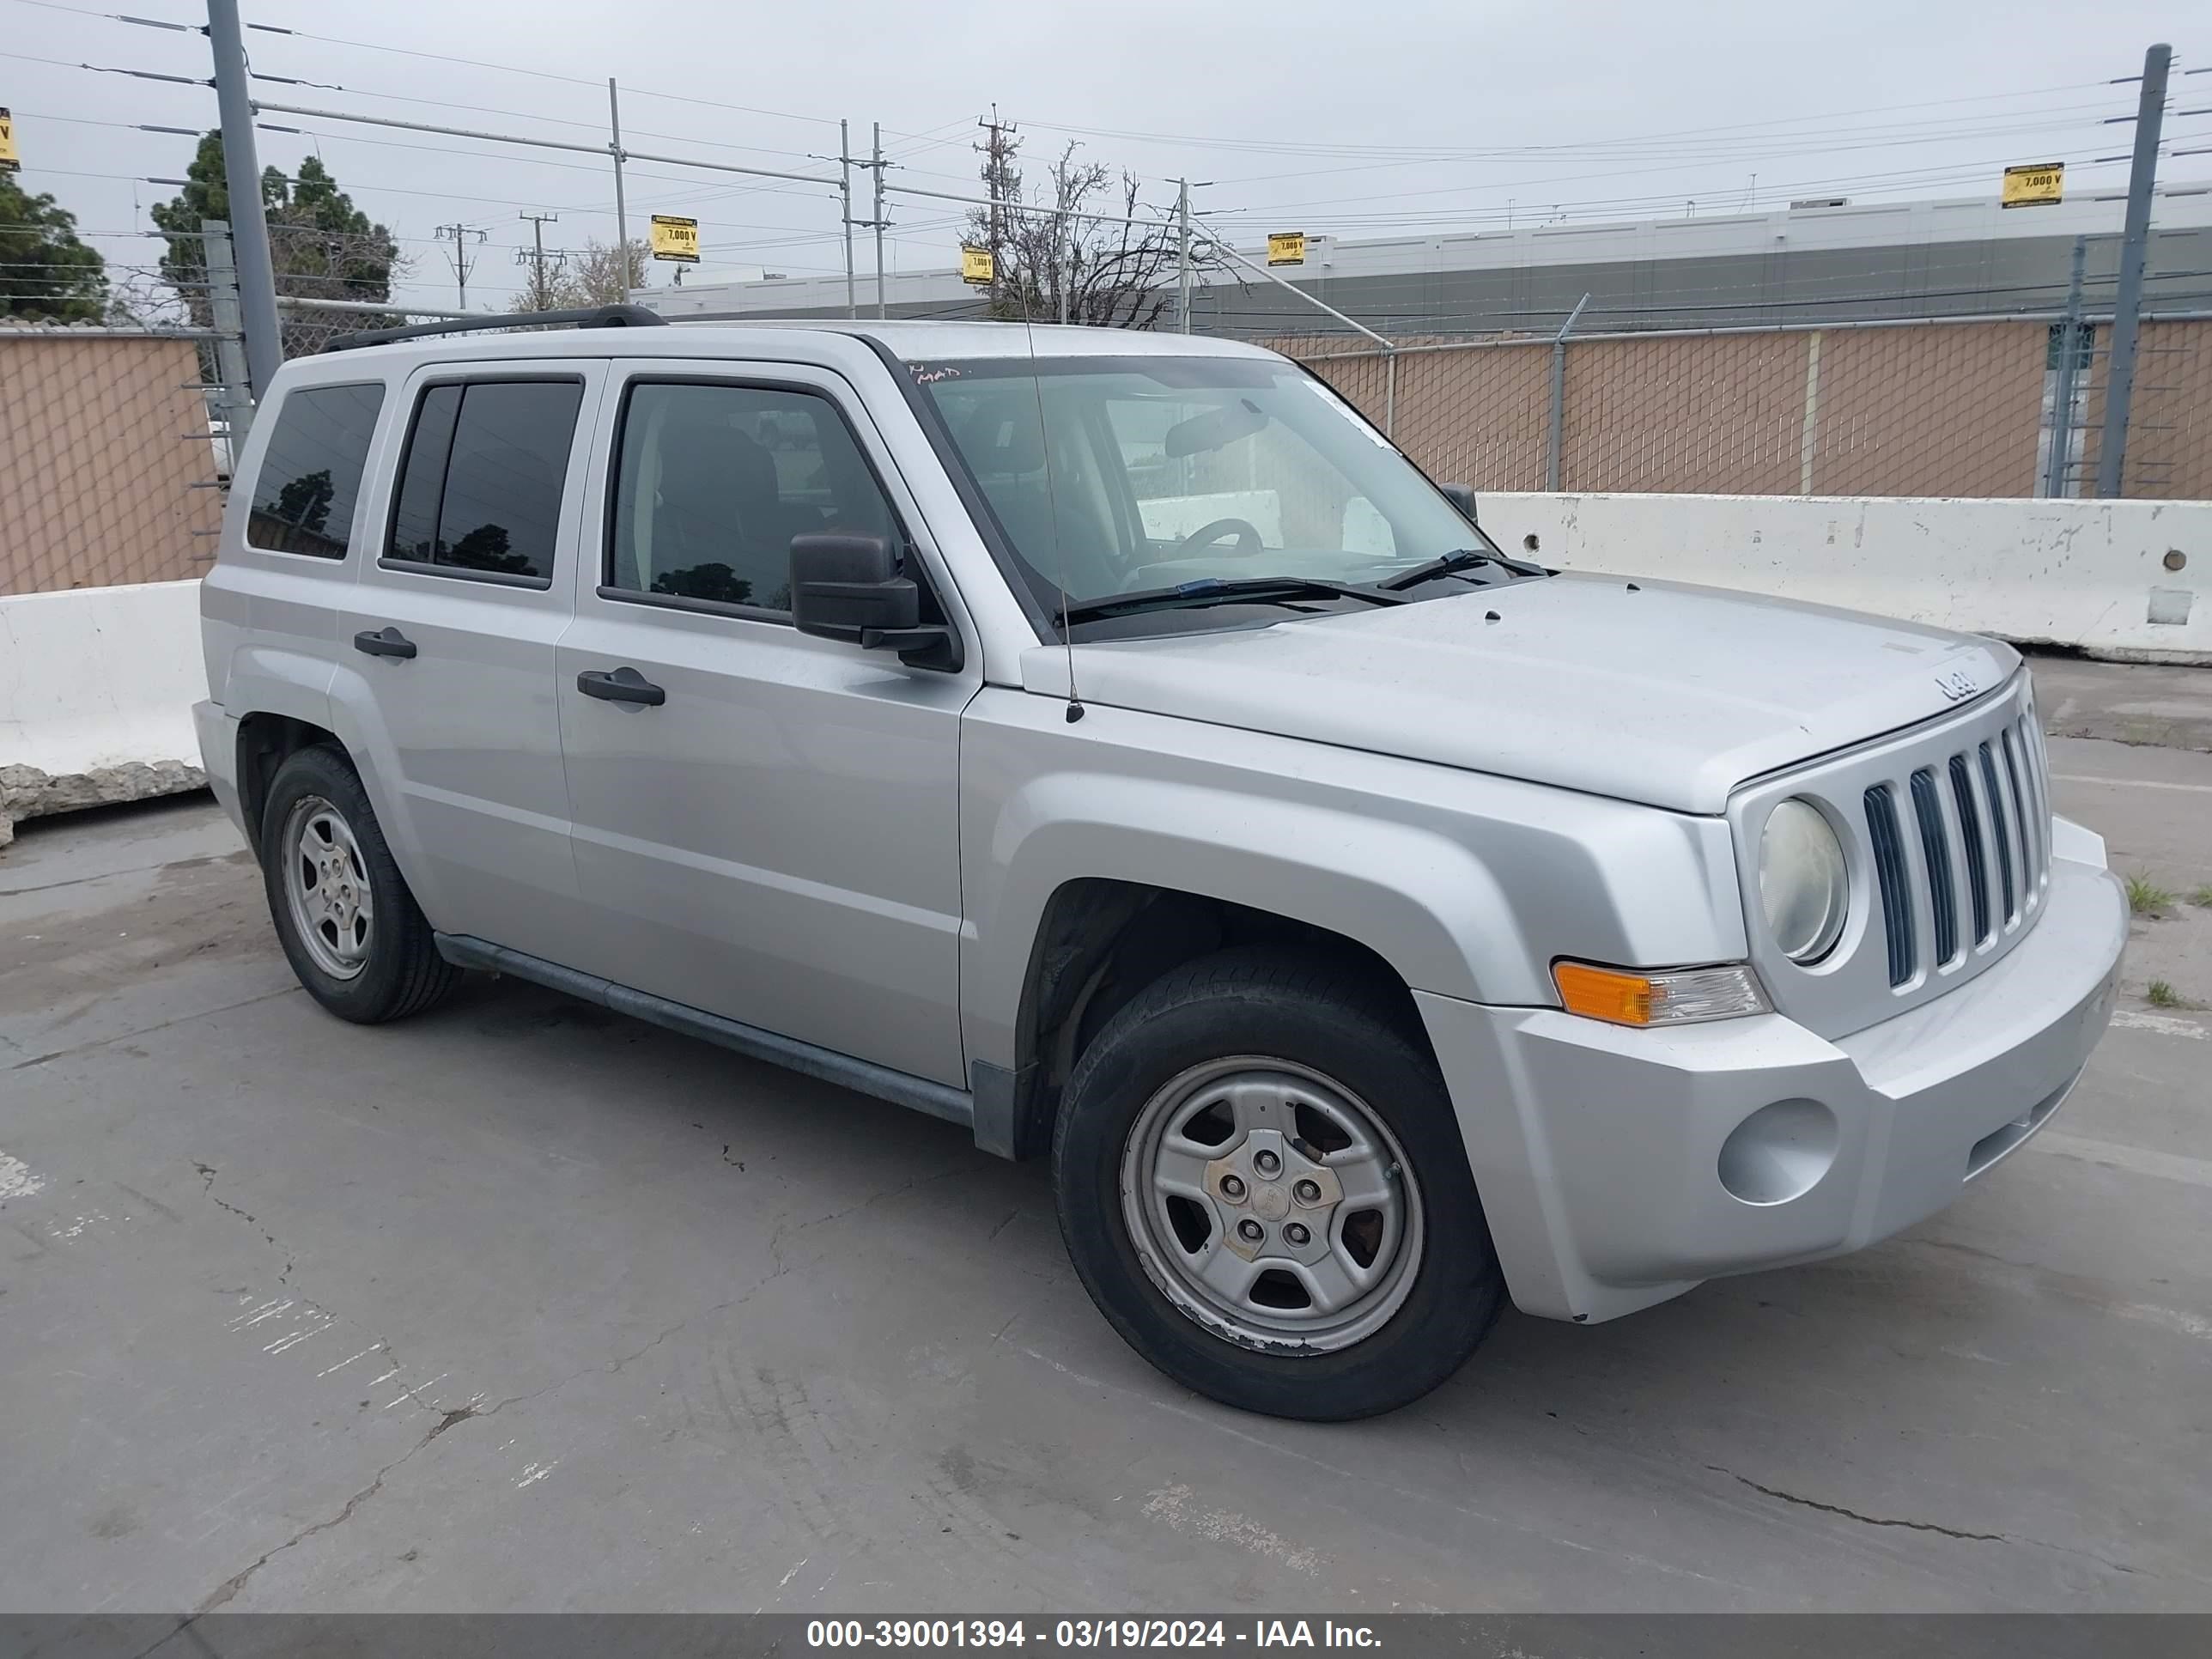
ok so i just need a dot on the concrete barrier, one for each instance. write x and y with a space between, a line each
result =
2126 581
96 692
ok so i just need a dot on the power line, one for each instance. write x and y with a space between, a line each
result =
541 75
1292 147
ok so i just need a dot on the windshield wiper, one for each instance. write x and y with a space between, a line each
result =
1459 559
1214 590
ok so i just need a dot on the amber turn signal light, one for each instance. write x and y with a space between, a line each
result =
1676 996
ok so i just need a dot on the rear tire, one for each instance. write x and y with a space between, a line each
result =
350 927
1262 1186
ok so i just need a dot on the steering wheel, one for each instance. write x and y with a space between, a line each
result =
1247 537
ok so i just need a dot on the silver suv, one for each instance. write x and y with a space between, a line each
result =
1109 742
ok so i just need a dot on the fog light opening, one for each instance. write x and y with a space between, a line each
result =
1779 1152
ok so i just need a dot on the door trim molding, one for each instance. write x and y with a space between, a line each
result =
863 1077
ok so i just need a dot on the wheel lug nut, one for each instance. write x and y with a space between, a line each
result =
1265 1162
1249 1231
1308 1192
1296 1233
1231 1186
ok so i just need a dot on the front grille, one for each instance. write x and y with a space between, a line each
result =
1977 867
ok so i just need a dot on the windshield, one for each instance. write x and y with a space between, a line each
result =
1126 474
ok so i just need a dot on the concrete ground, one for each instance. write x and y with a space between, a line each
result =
523 1305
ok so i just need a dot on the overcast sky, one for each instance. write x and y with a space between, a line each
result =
1354 119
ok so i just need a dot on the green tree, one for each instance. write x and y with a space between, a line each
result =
44 271
323 247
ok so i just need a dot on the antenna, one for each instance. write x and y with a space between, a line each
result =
1052 503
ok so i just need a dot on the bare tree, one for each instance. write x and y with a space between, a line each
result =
600 275
1049 265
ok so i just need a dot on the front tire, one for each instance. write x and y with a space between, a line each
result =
350 927
1262 1186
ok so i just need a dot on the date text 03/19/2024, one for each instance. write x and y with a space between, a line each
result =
1084 1633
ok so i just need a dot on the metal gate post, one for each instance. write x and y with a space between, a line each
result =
1555 438
2071 337
235 397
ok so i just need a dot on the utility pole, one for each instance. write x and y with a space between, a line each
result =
622 207
877 162
2127 299
460 236
540 289
998 188
845 192
1182 255
241 169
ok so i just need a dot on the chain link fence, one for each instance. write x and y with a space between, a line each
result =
1924 408
110 467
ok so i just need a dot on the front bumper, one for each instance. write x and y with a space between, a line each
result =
1620 1167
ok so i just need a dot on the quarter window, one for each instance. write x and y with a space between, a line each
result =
714 482
310 477
481 486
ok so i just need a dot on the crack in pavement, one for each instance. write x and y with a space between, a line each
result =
230 1587
1869 1519
1946 1532
208 1173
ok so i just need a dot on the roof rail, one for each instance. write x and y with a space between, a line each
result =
583 317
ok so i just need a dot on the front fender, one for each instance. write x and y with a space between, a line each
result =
1469 886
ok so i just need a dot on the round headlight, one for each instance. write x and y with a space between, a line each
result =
1803 885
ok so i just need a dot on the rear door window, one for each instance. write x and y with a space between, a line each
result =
310 477
480 489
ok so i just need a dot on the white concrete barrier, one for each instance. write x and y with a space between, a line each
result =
2127 581
96 692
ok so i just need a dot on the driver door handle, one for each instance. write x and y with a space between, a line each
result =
621 685
383 642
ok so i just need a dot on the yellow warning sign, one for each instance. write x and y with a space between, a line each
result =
9 162
675 239
1287 247
976 266
2039 184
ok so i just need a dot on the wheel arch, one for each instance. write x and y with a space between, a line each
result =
266 740
1097 943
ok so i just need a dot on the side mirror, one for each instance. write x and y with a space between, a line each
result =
849 588
1462 497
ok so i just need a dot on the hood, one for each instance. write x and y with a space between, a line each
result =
1657 692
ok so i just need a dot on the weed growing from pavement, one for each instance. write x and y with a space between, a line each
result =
2146 897
2160 994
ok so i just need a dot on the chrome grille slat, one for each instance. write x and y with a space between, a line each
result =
2023 812
1936 857
2038 789
1892 878
2001 834
1978 853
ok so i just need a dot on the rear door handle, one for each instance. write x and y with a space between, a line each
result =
623 685
385 642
